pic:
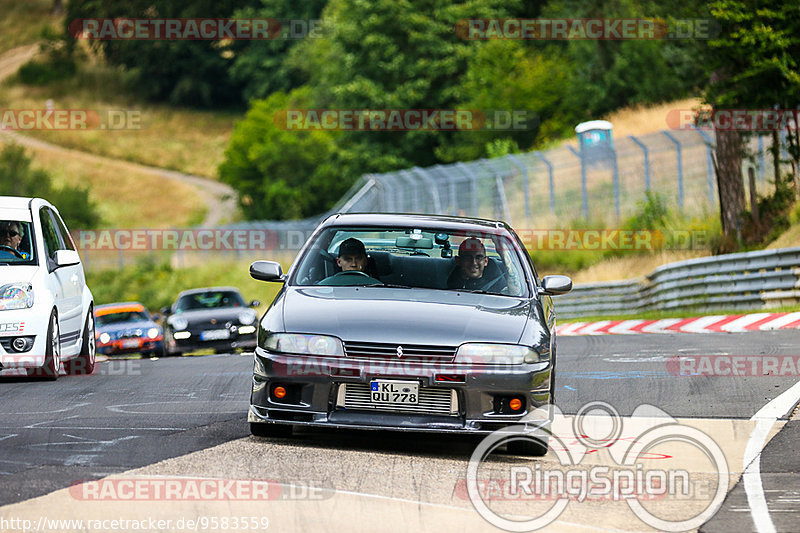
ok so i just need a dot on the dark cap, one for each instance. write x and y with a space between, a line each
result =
352 247
471 246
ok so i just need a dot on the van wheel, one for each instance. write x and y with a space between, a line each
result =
84 363
52 352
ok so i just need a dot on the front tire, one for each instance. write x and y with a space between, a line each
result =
52 352
84 363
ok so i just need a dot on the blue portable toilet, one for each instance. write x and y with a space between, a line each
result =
596 141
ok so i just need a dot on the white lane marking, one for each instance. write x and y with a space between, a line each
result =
741 323
765 418
65 409
9 436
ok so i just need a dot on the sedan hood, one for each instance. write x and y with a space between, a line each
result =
412 316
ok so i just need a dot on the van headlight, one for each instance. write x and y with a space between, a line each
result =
16 296
296 343
496 354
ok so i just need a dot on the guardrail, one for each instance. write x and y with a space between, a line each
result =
751 280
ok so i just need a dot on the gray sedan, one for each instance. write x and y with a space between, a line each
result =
407 322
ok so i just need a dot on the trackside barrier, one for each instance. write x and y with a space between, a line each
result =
751 280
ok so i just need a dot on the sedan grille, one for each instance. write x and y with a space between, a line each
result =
410 352
432 401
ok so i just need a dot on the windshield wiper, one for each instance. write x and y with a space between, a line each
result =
390 285
478 291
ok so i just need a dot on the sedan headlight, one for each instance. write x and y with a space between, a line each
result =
178 323
496 354
16 296
247 317
152 333
296 343
104 338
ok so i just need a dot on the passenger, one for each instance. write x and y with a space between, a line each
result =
352 258
471 272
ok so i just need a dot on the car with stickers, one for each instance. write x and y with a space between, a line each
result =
127 327
407 322
46 308
216 318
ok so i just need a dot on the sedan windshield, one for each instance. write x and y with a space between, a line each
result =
413 258
16 246
209 300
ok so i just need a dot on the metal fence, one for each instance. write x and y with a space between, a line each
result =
752 280
553 188
535 190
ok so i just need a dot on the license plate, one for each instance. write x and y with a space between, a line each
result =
396 392
130 343
215 334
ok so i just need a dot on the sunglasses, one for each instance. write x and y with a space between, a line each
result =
11 233
473 257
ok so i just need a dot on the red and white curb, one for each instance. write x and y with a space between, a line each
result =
703 324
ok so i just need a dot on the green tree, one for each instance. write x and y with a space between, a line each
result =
280 174
261 66
19 178
185 72
506 76
753 64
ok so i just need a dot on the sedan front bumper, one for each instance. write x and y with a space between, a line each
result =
453 398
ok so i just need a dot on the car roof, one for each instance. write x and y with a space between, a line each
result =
120 307
19 207
442 222
208 289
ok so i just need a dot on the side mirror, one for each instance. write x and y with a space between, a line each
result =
66 258
555 285
266 271
165 311
255 303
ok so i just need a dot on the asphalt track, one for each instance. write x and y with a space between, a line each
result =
183 418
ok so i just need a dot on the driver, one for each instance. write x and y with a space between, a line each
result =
11 235
352 258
